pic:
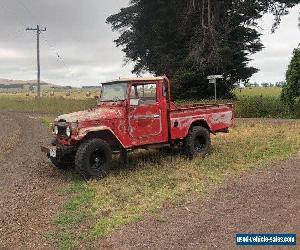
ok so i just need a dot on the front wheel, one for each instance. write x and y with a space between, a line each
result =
93 158
198 142
64 163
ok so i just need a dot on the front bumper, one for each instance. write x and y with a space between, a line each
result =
58 151
51 151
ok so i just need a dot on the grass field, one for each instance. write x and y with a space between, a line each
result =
95 208
75 94
49 105
265 92
255 102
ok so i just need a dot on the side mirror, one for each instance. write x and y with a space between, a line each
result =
134 102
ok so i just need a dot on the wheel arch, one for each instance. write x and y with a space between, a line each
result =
201 123
105 134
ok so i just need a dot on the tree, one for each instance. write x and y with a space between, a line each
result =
190 39
291 91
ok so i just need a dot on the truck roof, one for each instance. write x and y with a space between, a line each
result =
136 79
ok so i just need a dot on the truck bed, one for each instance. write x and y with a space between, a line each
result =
215 117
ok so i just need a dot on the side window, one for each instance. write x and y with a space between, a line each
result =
143 93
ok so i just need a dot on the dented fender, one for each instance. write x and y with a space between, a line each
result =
83 132
181 127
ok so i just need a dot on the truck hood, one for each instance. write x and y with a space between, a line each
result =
93 114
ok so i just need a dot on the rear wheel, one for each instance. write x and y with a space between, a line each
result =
93 158
198 142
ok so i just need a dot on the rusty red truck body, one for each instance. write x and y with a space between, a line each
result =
134 113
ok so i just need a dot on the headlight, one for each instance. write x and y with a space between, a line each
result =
68 131
55 130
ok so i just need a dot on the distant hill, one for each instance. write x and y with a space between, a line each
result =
22 82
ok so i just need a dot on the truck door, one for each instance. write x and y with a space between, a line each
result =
146 115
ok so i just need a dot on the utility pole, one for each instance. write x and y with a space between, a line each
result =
38 32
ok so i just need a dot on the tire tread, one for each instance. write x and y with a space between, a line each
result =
188 141
81 157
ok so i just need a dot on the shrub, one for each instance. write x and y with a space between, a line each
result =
261 107
292 90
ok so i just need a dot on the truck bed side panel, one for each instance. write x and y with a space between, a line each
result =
216 117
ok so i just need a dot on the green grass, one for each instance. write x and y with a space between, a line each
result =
260 91
96 208
47 120
49 105
75 211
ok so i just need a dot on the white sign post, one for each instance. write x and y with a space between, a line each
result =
213 79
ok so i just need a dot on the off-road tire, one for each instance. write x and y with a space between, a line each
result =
86 156
67 162
197 142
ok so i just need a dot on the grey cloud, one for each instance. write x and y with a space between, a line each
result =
78 32
274 58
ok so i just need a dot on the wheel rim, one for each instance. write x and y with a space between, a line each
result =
200 143
97 160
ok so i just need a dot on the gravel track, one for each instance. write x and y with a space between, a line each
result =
28 184
10 132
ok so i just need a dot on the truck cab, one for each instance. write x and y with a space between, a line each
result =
133 113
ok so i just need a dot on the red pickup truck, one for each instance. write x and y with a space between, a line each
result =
133 113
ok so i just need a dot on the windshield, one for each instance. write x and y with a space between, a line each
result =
114 92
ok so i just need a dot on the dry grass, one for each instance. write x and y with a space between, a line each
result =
50 105
75 94
98 207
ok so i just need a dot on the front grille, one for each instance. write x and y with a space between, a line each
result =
62 126
61 131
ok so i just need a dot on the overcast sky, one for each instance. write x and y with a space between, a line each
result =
78 33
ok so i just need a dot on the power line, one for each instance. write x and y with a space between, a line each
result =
56 51
58 55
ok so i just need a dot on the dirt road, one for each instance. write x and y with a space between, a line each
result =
28 199
264 201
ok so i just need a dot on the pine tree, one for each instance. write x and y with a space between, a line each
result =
190 39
